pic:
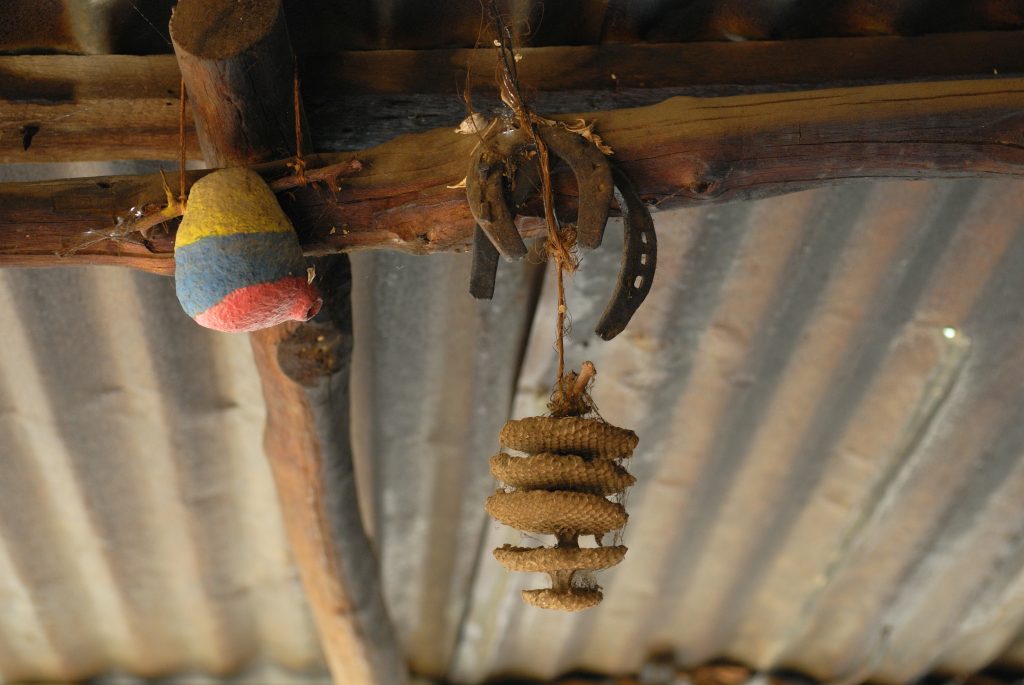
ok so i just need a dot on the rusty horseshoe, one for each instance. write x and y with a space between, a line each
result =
495 164
505 171
639 259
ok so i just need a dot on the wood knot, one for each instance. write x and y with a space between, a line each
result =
312 352
705 188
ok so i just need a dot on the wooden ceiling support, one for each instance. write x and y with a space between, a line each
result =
101 107
682 152
237 64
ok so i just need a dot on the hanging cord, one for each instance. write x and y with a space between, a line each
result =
299 166
181 144
559 244
145 223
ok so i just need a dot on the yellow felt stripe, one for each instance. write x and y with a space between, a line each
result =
229 202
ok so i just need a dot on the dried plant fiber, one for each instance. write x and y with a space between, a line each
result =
546 559
558 513
575 599
569 435
548 471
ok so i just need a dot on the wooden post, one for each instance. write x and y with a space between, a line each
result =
238 65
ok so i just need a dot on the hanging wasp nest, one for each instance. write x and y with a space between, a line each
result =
562 488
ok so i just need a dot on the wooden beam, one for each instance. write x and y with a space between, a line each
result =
685 151
304 370
764 64
238 69
119 107
61 108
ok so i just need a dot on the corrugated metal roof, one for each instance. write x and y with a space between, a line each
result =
826 388
139 527
826 385
433 376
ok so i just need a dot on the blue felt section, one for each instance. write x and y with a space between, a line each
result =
209 269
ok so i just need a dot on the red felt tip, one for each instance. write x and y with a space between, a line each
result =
260 306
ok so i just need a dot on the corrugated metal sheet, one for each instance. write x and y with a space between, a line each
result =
827 390
139 527
433 376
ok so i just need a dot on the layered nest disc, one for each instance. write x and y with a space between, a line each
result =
561 488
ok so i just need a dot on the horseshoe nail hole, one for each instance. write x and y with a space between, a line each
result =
643 259
638 282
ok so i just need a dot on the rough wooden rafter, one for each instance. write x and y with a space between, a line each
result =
684 151
102 107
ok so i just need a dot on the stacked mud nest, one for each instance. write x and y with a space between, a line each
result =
562 488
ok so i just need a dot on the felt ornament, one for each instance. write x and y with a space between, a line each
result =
238 262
